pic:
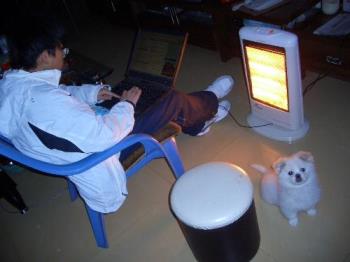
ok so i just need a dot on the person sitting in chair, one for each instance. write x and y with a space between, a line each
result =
55 123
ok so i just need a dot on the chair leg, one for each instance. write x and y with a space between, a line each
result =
73 192
98 226
173 156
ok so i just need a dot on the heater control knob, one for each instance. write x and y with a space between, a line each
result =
265 30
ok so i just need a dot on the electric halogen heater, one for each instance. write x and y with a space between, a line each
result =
272 73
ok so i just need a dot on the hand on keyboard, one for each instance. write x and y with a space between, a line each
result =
132 94
105 94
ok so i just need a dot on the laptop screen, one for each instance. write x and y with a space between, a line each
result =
157 54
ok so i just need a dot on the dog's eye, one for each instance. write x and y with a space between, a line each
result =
302 169
290 173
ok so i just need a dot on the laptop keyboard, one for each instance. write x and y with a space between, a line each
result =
150 94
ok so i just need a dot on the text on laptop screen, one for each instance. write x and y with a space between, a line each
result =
157 54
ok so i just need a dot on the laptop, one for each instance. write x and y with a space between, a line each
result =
153 66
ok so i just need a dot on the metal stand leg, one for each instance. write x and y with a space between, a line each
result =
9 192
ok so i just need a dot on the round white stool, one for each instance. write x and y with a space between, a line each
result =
214 206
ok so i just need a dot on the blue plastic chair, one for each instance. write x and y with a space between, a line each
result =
153 149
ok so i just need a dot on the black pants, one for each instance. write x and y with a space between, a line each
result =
190 111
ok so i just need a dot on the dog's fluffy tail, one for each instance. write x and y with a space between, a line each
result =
261 169
268 185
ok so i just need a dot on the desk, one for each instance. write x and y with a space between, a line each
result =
318 51
281 15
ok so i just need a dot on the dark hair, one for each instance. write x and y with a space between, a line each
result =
30 36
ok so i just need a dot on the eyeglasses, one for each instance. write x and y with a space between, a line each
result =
65 52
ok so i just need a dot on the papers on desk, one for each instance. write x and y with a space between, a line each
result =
258 7
337 26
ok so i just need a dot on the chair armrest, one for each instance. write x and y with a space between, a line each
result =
9 151
170 130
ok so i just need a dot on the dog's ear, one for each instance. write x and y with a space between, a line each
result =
306 156
279 164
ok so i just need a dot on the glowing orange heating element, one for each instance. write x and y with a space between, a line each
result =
268 77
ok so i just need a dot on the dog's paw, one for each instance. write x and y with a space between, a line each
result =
311 212
293 221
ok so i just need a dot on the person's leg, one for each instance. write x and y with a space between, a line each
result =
194 112
190 111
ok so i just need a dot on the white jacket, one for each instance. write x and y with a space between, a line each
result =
54 123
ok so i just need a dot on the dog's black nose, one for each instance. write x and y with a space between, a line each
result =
298 178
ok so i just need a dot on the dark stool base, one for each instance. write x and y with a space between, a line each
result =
237 242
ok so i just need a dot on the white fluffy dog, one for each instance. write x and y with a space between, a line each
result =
292 185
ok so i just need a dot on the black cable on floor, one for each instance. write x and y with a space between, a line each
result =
246 126
318 78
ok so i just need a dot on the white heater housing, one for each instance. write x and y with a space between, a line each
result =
272 72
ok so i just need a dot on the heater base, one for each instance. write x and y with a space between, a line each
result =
277 132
